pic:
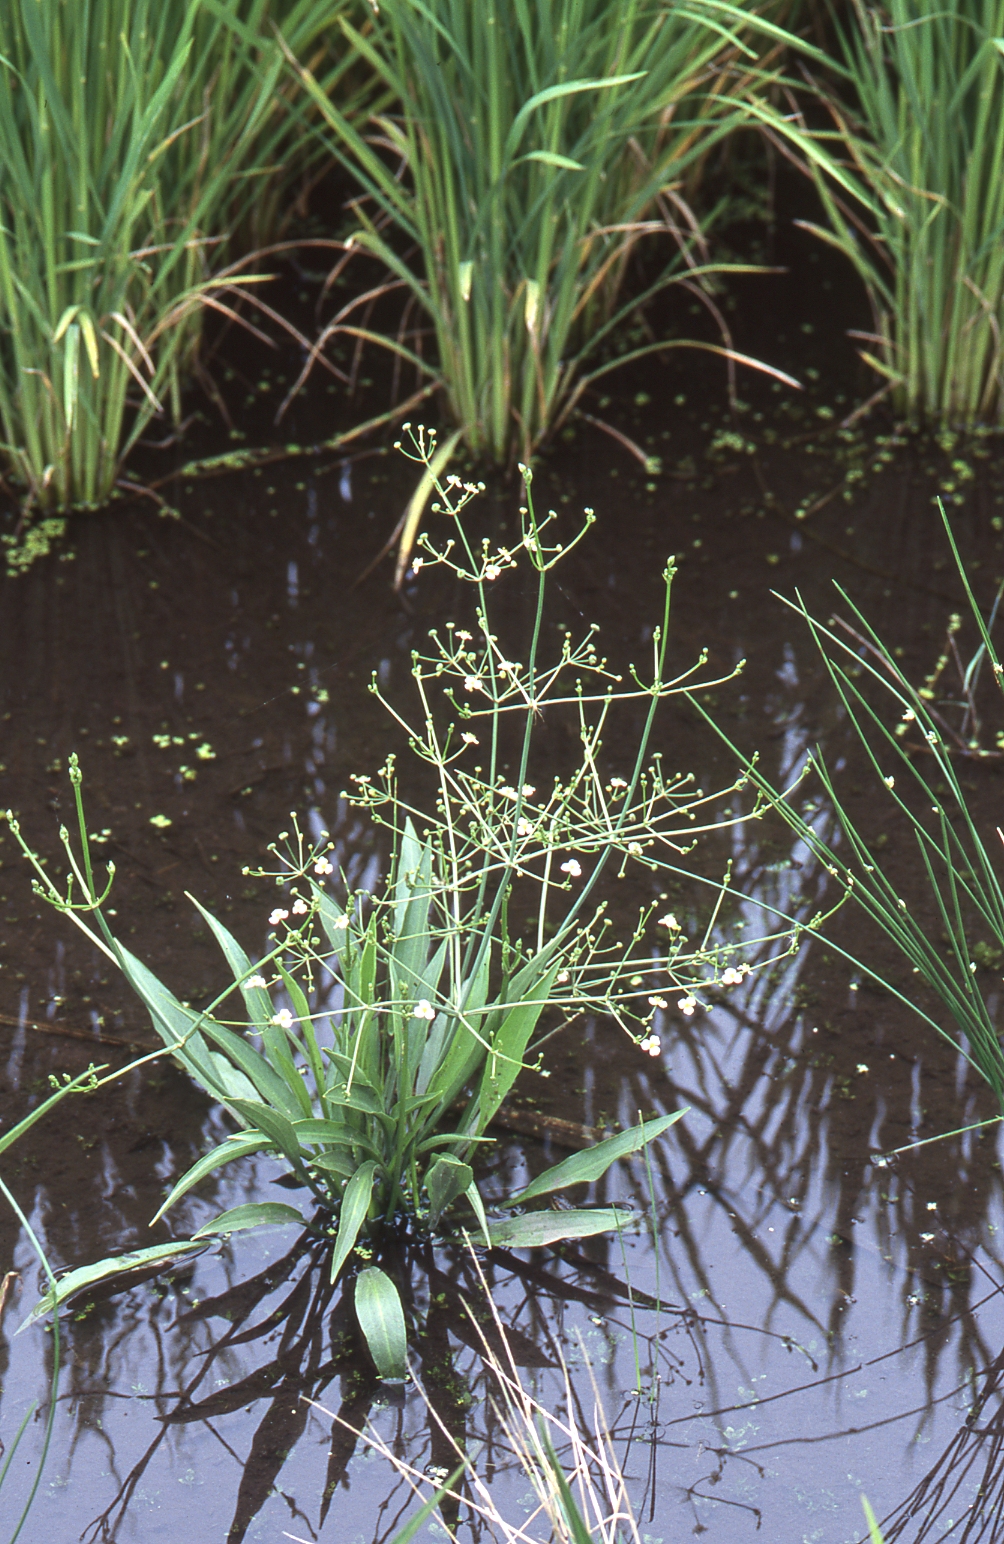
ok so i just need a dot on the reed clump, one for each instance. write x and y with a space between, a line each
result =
530 151
919 121
134 135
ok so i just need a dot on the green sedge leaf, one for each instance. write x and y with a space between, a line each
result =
551 93
874 1531
585 1167
256 1214
381 1319
412 1526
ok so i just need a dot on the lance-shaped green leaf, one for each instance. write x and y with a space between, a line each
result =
175 1026
257 1000
585 1167
478 1208
280 1131
447 1179
505 1060
445 1069
381 1319
256 1214
352 1214
333 1133
85 1276
234 1147
534 1229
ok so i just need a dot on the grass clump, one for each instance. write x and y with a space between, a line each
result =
923 137
134 136
914 754
530 150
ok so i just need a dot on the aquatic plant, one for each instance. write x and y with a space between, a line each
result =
914 757
923 137
410 1011
531 150
111 242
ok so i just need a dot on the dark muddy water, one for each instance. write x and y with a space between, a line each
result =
828 1325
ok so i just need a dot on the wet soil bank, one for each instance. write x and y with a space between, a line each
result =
828 1325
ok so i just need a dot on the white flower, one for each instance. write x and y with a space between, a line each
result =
524 827
561 977
687 1005
909 716
284 1019
617 782
472 683
469 739
417 565
256 981
322 866
658 1002
927 1237
530 543
492 570
300 907
862 1066
528 790
890 782
572 867
634 849
507 792
669 921
651 1044
423 1009
277 916
731 976
341 923
463 637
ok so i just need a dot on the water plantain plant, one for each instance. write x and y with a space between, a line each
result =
113 239
375 1041
530 149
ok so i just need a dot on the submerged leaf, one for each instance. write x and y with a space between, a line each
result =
534 1229
381 1319
75 1282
